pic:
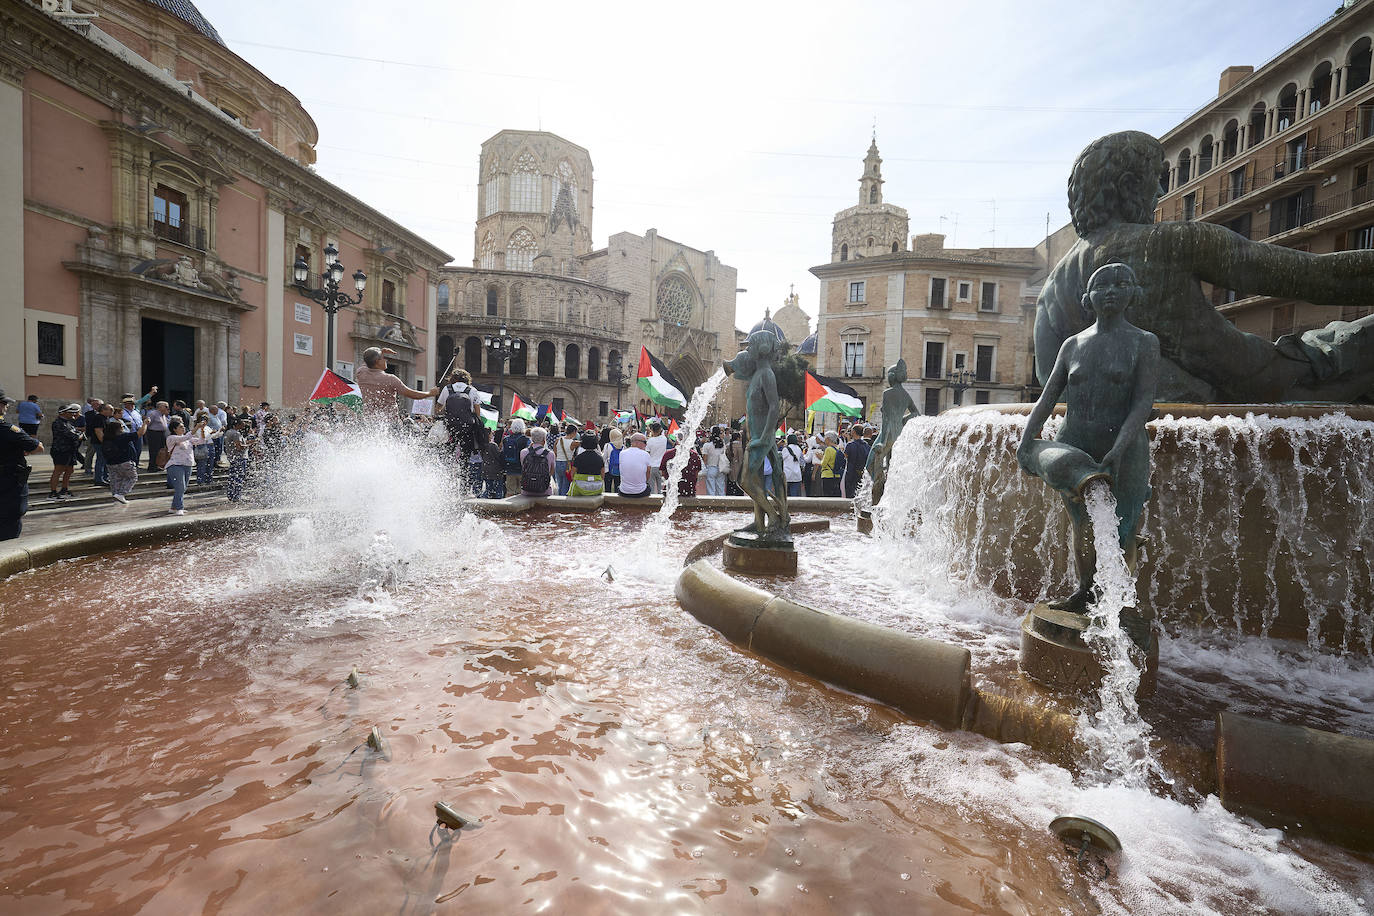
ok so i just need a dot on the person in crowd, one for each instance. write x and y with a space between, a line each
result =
493 465
66 449
89 417
830 480
179 409
655 444
615 442
588 466
511 447
634 468
687 484
259 416
203 453
158 418
236 444
120 444
563 451
30 415
219 422
133 419
715 463
380 387
792 460
855 460
95 432
536 465
180 448
734 451
147 400
14 474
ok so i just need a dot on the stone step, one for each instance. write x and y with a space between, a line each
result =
100 496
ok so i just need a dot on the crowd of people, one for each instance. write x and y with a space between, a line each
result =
548 457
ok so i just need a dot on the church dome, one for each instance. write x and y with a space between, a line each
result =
186 11
768 324
808 346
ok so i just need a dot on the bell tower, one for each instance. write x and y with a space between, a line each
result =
871 184
870 228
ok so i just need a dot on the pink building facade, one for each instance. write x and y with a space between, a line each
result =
154 196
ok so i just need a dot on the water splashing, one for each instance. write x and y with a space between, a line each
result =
1117 738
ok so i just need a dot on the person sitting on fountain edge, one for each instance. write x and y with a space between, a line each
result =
1108 375
380 387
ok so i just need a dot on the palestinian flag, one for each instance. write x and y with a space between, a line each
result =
672 426
569 418
657 382
831 396
519 408
624 416
491 417
333 388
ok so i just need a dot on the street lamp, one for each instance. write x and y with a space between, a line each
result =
615 374
960 380
502 347
329 295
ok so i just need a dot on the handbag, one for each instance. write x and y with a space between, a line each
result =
163 456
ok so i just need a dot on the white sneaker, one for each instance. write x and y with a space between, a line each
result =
119 498
180 512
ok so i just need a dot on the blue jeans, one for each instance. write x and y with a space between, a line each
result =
205 469
495 488
178 478
102 476
560 470
794 488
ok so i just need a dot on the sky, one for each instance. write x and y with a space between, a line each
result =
740 127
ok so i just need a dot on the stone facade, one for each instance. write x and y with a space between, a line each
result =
1284 154
149 233
871 228
534 269
795 323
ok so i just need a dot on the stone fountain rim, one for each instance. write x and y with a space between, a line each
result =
1309 410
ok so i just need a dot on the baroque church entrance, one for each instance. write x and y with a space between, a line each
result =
169 360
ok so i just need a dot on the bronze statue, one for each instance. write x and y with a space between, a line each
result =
754 366
1113 190
1108 375
897 408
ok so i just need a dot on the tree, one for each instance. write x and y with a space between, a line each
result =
790 372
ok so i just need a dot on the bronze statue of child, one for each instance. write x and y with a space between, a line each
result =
897 408
754 366
1107 375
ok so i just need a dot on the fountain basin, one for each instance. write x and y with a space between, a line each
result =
1261 519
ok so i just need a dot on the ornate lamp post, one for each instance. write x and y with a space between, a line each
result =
329 295
615 374
502 347
960 380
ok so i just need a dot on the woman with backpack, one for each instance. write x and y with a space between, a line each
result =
512 446
563 451
536 466
610 451
832 466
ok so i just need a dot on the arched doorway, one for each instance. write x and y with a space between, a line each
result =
689 373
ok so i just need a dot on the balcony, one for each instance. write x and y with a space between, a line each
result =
183 233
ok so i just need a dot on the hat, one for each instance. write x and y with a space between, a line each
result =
617 438
71 408
128 397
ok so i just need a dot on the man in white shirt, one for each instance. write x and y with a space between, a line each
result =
655 445
634 468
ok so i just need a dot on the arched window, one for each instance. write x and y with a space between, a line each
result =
614 363
675 300
520 359
565 177
491 191
1357 68
521 250
870 241
472 355
546 359
1319 95
1205 152
1164 179
572 361
1256 132
1185 166
1288 107
524 186
844 252
443 296
493 301
594 364
894 248
873 194
493 362
1230 138
445 350
487 252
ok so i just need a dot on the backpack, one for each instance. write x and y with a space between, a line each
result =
613 466
534 471
510 452
459 412
839 462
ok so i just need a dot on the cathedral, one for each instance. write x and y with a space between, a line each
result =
580 314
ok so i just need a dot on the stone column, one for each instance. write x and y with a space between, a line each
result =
1336 83
133 352
1302 105
235 364
892 340
12 238
1269 122
558 365
221 375
272 357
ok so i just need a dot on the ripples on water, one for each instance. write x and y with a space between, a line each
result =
178 740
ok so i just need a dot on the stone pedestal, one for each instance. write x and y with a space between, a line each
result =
865 522
747 553
1053 653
